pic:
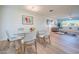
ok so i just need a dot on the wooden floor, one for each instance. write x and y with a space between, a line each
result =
60 44
67 43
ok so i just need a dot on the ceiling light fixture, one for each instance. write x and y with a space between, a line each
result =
50 10
33 8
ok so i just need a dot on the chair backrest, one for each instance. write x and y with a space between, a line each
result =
44 31
30 36
8 36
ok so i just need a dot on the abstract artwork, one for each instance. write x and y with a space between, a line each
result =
49 21
27 20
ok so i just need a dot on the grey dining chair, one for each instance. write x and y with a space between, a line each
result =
16 41
44 34
30 39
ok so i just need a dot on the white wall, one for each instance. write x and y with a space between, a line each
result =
0 22
52 17
12 19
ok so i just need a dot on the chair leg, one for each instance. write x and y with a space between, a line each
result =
15 47
8 44
39 39
49 40
44 41
22 47
36 46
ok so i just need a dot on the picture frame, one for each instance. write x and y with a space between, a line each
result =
27 20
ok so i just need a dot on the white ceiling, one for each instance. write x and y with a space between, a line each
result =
59 9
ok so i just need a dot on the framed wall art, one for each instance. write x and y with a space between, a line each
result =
27 20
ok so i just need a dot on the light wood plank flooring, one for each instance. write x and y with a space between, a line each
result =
60 44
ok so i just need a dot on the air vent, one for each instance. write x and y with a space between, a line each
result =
50 10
